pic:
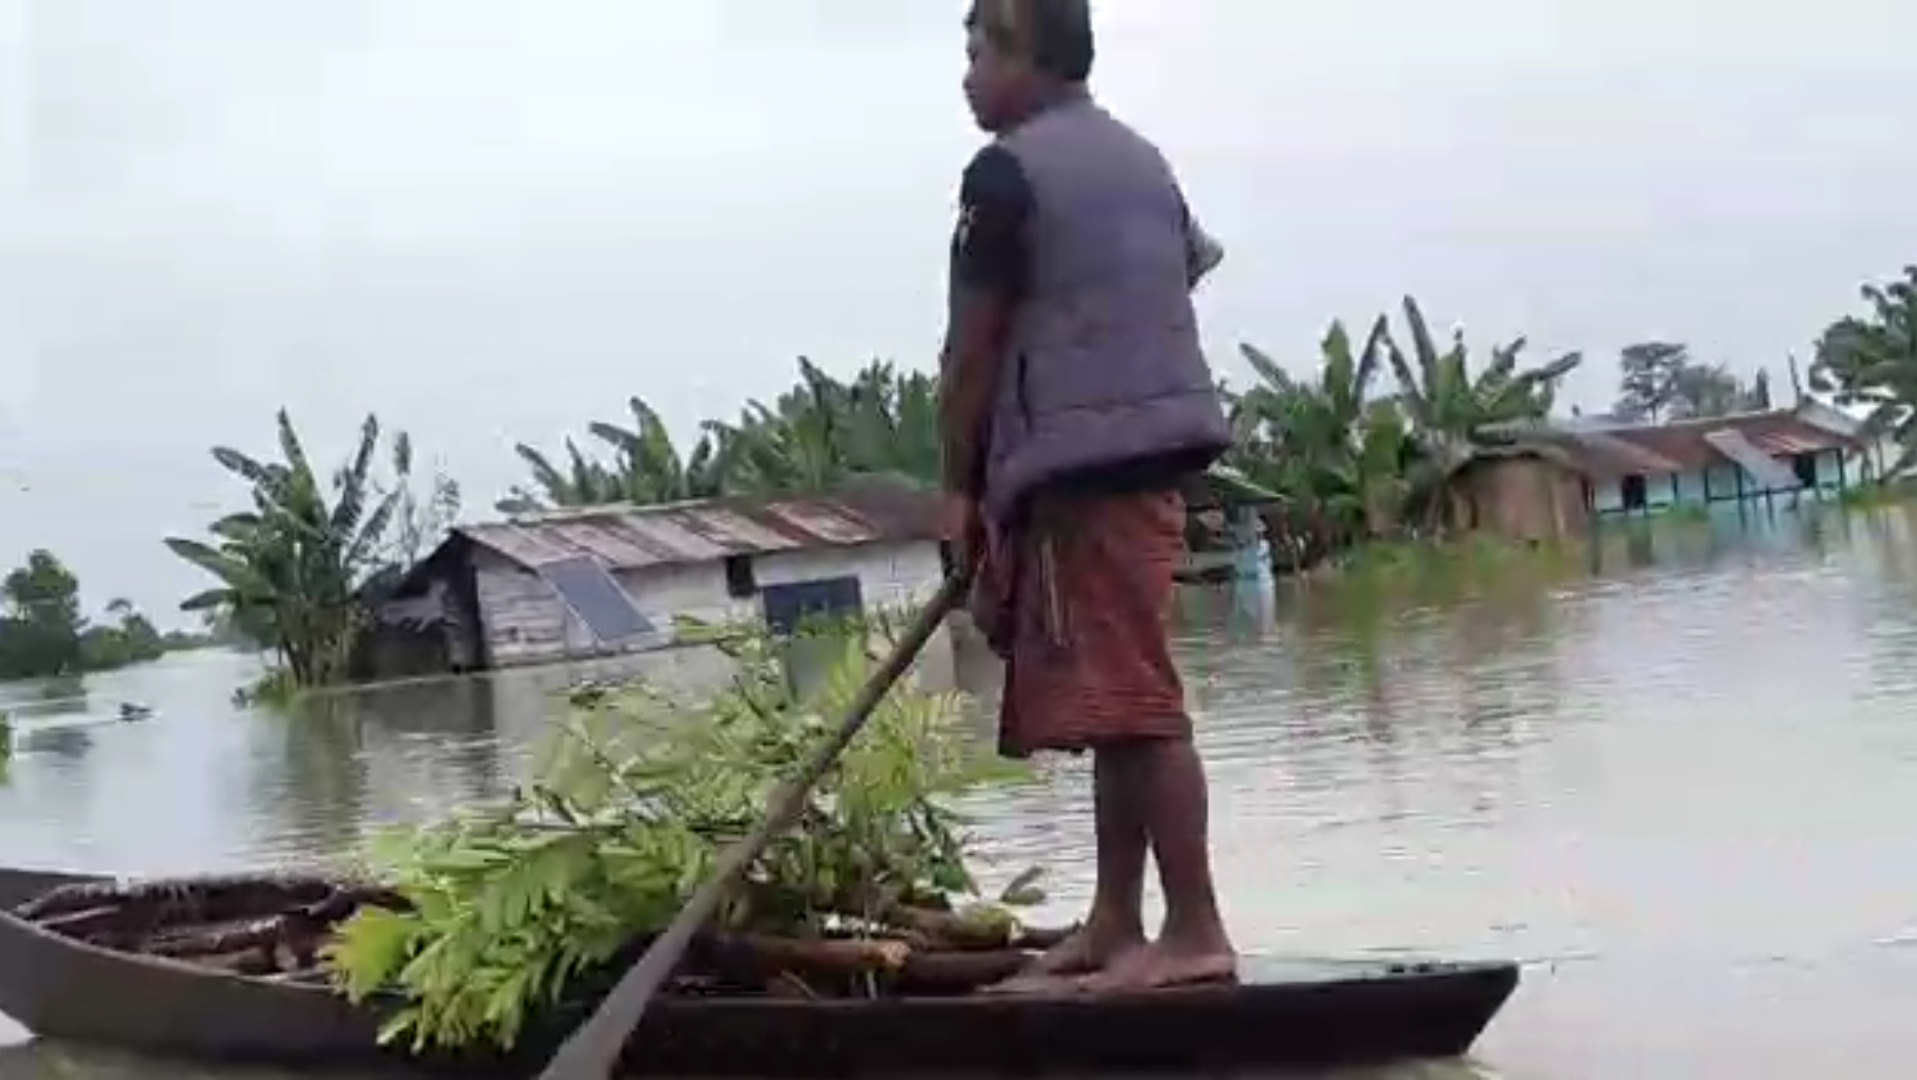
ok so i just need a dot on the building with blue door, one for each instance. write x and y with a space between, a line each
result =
608 580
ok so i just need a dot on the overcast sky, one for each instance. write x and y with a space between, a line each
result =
494 220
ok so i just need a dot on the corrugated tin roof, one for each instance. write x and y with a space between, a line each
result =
1779 433
1678 446
626 537
1594 453
1603 454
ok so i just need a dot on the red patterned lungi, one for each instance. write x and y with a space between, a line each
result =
1076 596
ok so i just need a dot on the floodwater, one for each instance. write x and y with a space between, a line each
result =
1682 788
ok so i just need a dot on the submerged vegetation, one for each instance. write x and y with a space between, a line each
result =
507 911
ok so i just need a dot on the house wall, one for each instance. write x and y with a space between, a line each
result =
1607 496
1834 473
1723 480
523 622
1519 499
1831 471
1689 487
1720 483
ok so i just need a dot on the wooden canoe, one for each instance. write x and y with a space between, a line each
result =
1285 1013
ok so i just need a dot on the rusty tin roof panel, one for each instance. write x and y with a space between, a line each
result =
1603 454
1793 438
1777 433
529 546
626 538
822 521
724 531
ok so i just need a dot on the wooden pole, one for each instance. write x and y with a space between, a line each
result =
592 1052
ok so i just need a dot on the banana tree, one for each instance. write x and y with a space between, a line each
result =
823 432
289 570
1446 405
646 468
1870 361
893 424
651 469
584 482
1327 444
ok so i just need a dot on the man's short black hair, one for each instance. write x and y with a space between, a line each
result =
1055 35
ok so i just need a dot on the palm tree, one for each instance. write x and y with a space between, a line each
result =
1871 361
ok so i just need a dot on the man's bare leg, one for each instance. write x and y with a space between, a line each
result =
1116 925
1166 779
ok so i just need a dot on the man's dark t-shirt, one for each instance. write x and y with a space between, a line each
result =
991 253
988 247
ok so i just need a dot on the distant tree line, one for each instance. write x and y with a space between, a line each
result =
300 569
43 633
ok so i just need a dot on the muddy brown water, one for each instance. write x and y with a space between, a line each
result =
1682 787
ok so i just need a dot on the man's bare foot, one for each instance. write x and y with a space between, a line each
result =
1162 965
1087 951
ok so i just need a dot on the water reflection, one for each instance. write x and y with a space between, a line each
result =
61 741
1677 778
340 763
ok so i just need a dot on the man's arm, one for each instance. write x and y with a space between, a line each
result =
989 267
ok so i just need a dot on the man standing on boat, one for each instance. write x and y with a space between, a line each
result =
1075 402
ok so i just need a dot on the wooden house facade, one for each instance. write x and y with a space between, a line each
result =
545 589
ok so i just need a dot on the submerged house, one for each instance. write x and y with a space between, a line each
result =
613 579
1532 490
1556 477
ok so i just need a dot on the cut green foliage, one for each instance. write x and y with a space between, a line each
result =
636 797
